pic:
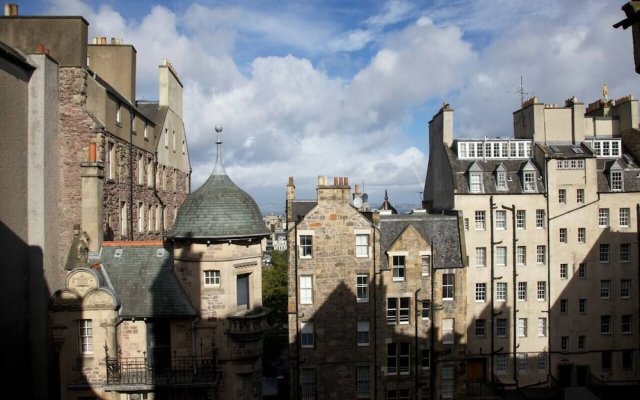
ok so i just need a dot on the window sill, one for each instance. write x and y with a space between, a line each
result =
398 279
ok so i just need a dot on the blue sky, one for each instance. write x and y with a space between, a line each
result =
347 88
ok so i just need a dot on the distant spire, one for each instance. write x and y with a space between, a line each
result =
218 168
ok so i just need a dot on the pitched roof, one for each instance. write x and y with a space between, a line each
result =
144 282
303 207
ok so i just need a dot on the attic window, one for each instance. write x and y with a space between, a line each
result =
577 150
616 181
529 181
475 182
118 253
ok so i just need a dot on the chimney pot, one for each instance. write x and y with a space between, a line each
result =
10 10
356 189
92 152
40 49
336 181
346 181
103 40
291 181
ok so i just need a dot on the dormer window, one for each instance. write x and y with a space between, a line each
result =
475 179
616 180
501 177
529 177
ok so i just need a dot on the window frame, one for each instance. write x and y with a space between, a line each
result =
603 217
362 249
481 256
562 196
501 291
363 336
501 258
306 291
624 214
305 244
481 292
480 221
448 286
582 235
212 278
501 220
541 291
604 253
521 219
85 337
362 288
398 266
540 214
522 291
307 335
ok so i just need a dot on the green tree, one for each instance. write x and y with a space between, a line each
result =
274 288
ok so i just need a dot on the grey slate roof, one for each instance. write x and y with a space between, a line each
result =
441 230
218 209
630 180
302 207
149 109
145 283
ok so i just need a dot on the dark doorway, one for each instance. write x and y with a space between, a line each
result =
159 345
243 291
564 374
582 372
476 371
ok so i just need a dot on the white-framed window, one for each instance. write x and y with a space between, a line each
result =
603 217
562 195
398 359
85 334
501 219
307 335
475 182
480 220
541 254
541 294
540 218
481 292
362 382
522 327
626 324
448 286
616 181
308 383
363 333
306 289
529 178
570 164
124 218
305 244
542 326
398 310
564 271
501 363
118 113
522 291
501 291
146 130
141 161
625 252
605 324
521 255
582 270
521 219
448 335
624 217
605 289
141 210
501 255
582 342
481 256
582 235
501 327
580 196
110 166
582 306
212 277
606 148
480 327
604 253
523 361
362 245
398 266
425 263
625 288
501 180
151 223
563 235
362 288
426 309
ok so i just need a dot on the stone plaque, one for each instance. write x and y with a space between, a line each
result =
82 282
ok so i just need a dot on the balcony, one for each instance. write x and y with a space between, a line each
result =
138 373
248 326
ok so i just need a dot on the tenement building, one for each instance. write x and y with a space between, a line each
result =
550 221
376 300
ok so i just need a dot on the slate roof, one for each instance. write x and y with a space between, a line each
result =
630 172
143 281
303 207
441 230
149 109
218 209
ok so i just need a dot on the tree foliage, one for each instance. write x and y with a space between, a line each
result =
274 288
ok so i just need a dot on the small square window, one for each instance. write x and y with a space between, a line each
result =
580 196
563 235
562 196
480 327
603 217
540 218
212 278
582 306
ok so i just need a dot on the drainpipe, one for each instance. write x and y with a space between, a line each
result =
193 336
375 320
415 296
432 339
548 261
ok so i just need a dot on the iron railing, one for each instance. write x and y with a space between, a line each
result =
183 370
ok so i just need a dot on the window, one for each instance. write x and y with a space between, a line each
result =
564 342
521 255
582 342
481 256
625 250
158 217
402 394
564 306
150 218
522 327
212 278
501 327
426 309
582 235
480 220
563 235
398 310
118 113
616 181
580 196
626 324
606 359
146 130
481 292
523 361
141 162
398 358
604 252
605 324
363 333
306 289
448 382
501 219
501 255
529 178
448 286
425 357
475 182
501 363
605 289
522 291
605 148
362 382
582 270
501 291
110 166
603 217
625 288
542 327
447 331
541 254
501 180
362 245
571 164
582 306
540 219
562 196
398 268
521 219
564 271
425 264
308 383
362 287
141 210
466 224
542 291
150 180
480 326
305 243
627 359
306 334
86 336
542 361
124 218
624 217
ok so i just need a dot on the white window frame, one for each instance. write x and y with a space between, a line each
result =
562 235
480 220
363 335
625 252
425 263
562 196
362 287
501 256
362 243
475 182
582 235
448 330
306 289
362 382
481 292
521 219
625 288
305 250
541 254
540 218
481 256
501 180
501 220
211 278
398 262
480 327
307 335
85 336
501 327
623 215
564 271
580 196
603 217
501 364
605 289
542 327
529 181
522 327
522 291
501 291
604 253
617 181
541 294
605 324
521 255
448 288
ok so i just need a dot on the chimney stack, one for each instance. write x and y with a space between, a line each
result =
92 174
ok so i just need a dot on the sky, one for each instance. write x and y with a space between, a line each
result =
305 88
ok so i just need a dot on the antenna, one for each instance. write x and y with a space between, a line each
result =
521 91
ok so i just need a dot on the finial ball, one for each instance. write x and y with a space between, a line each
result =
218 128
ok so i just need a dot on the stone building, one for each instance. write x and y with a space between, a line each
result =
550 222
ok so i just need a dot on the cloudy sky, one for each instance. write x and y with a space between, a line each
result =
346 88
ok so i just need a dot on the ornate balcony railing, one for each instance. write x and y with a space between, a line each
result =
249 325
